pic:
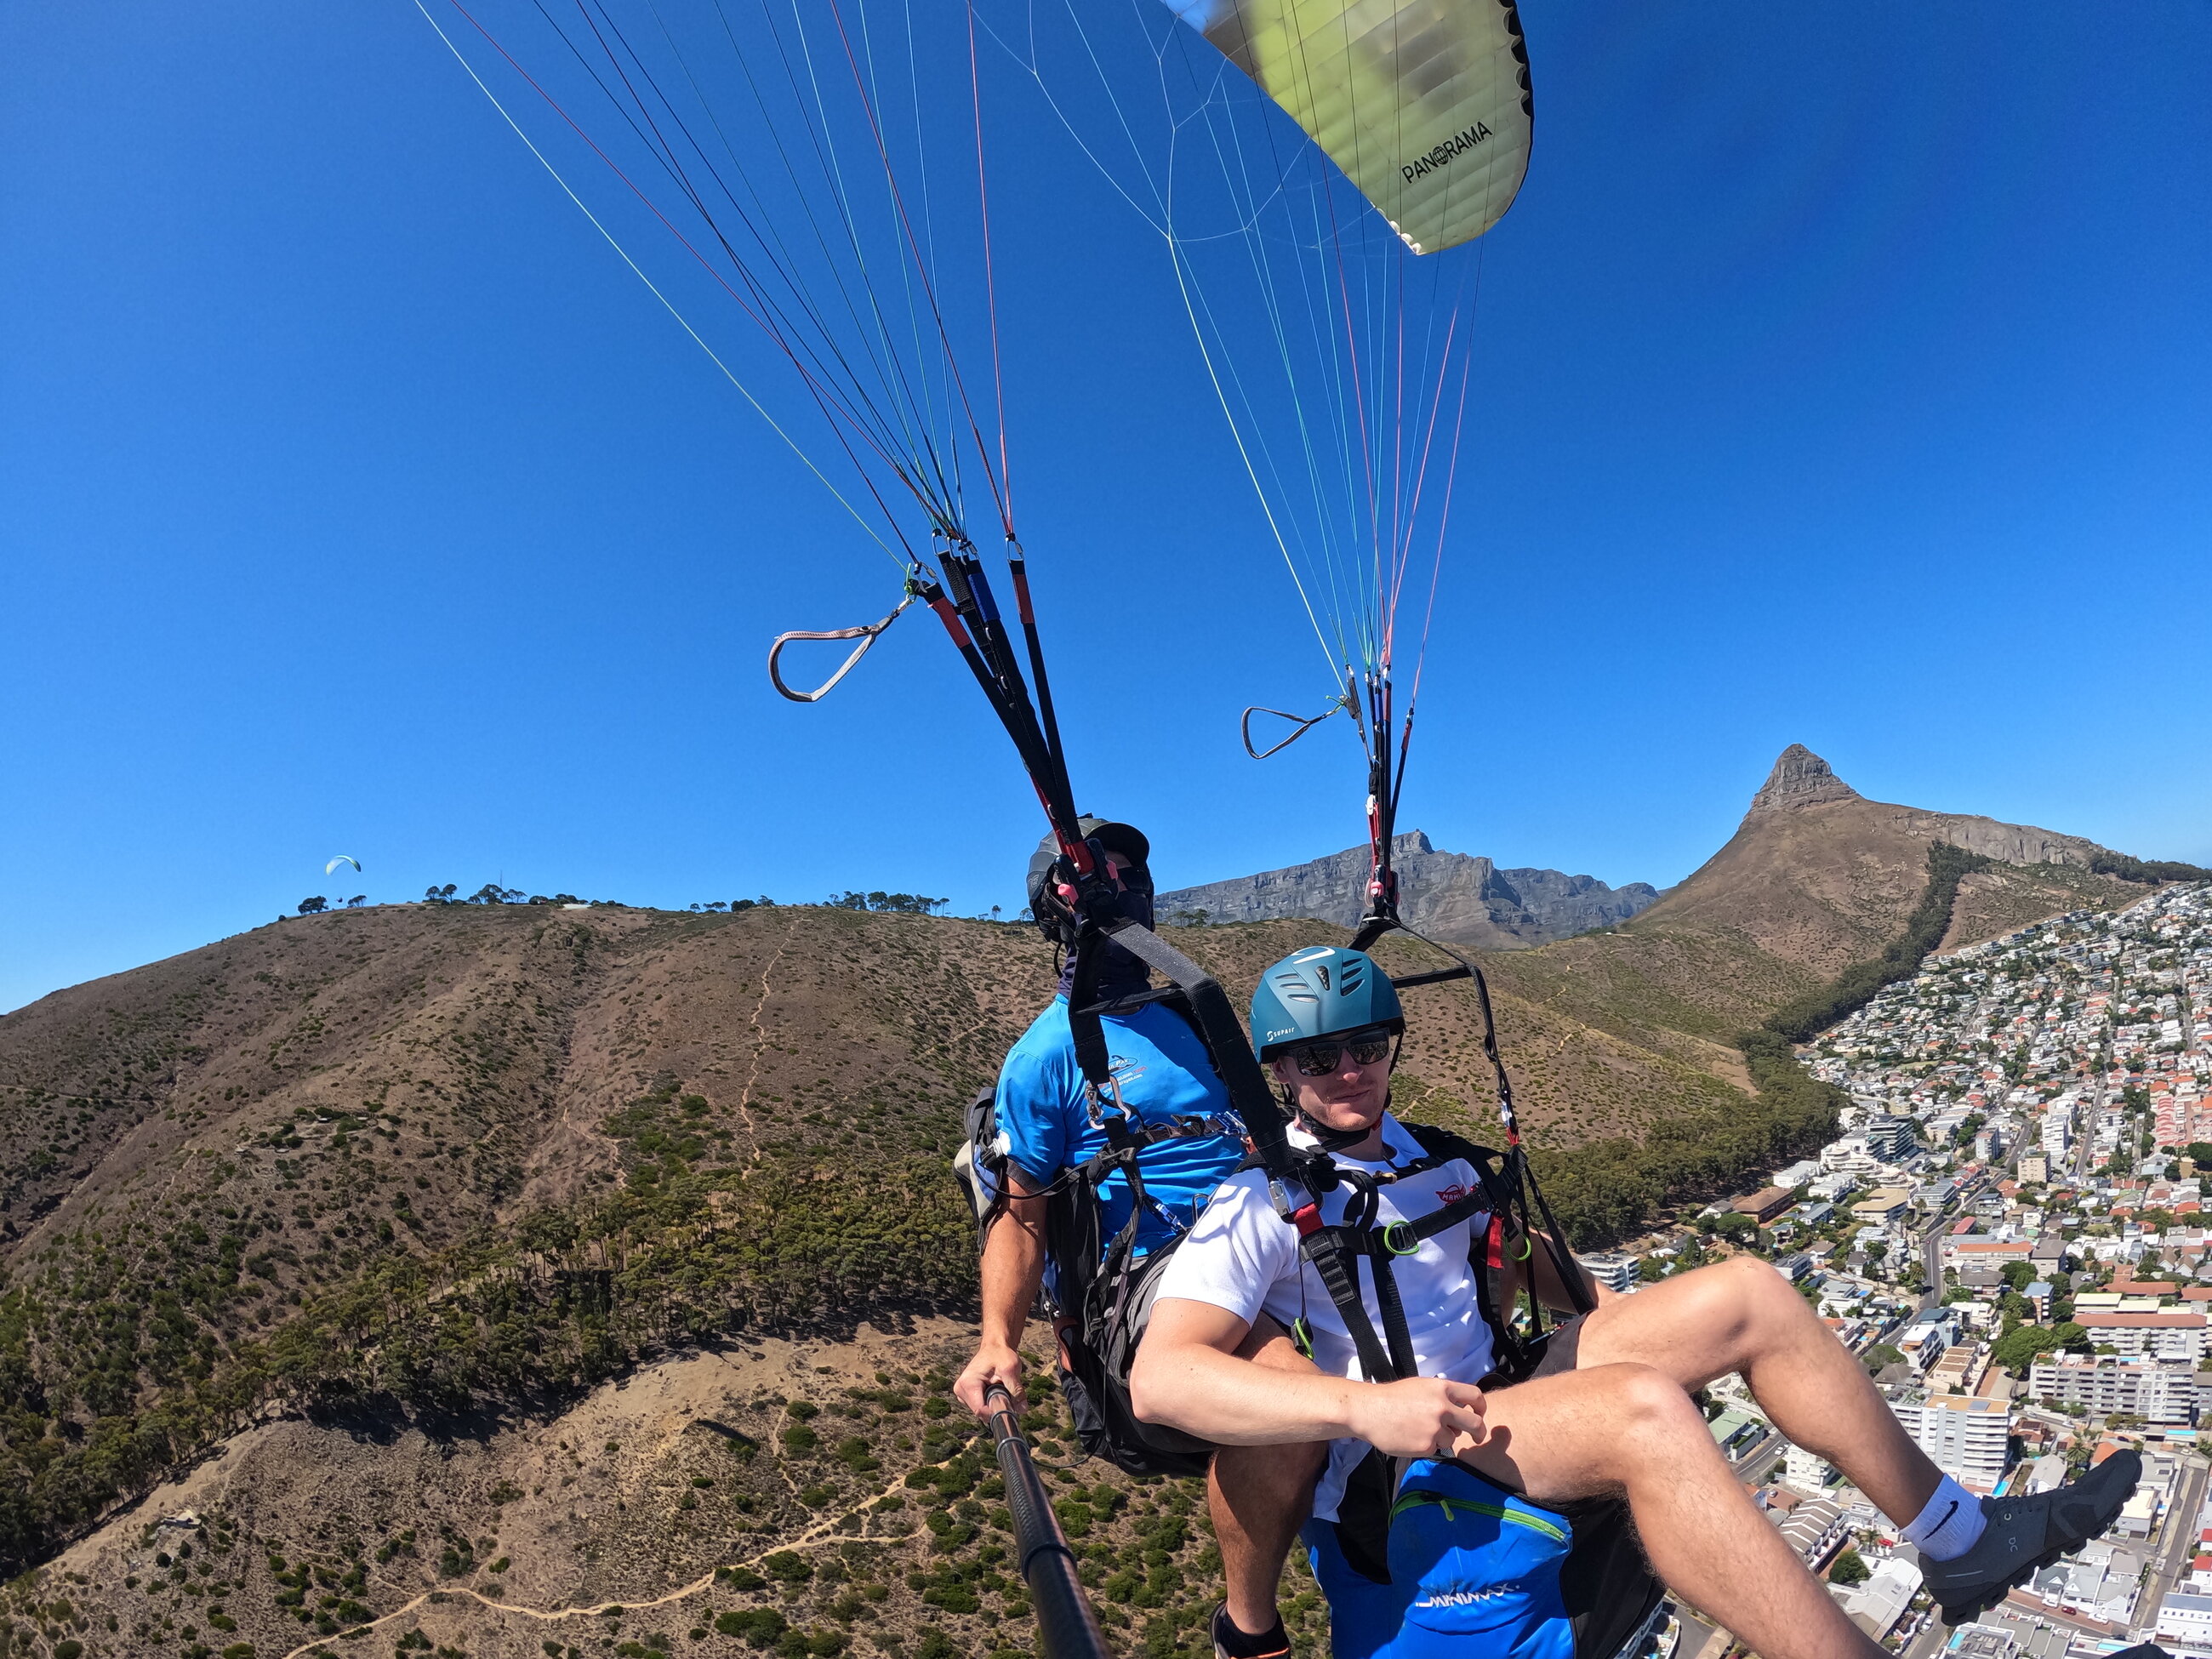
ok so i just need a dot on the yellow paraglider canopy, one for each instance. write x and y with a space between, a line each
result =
1424 104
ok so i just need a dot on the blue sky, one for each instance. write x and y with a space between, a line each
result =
1839 384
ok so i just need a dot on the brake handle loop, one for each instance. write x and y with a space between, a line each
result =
1300 727
866 633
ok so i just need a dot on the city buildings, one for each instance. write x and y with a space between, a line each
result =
2186 1619
2009 1225
1804 1471
2175 1337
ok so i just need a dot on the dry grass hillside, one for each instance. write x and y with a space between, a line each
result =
766 1496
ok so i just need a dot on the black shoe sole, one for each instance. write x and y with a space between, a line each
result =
1961 1613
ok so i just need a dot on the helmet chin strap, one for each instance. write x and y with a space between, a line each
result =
1335 1140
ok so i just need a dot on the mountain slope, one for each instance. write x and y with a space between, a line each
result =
1819 877
454 1168
1450 896
415 1152
1814 878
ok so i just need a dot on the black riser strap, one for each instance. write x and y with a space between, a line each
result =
1083 1018
1240 1069
1459 1210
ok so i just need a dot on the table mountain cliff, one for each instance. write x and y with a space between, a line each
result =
1447 895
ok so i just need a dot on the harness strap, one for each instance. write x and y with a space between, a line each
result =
1338 1268
1404 1237
1334 1251
1392 1307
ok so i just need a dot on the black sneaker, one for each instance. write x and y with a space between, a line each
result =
1230 1642
2026 1534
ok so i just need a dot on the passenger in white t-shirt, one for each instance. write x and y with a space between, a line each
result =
1242 1255
1609 1411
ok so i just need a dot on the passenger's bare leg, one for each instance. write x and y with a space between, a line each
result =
1629 1429
1260 1495
1743 1316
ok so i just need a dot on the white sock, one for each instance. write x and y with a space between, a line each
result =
1950 1525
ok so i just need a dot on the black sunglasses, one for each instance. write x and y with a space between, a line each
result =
1320 1059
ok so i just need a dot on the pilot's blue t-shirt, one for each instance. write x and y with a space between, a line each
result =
1047 1124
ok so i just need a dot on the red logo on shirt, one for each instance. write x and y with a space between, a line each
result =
1451 1195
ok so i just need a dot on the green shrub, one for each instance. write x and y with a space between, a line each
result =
761 1627
789 1567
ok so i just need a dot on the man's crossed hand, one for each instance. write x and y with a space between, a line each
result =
1419 1417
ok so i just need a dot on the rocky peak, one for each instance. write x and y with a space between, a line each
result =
1800 778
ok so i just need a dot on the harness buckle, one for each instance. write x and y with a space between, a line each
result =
1394 1232
1305 1217
1096 1100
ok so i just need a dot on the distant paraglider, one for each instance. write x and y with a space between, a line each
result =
330 869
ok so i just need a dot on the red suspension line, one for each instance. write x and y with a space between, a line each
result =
921 266
1352 346
1397 471
1443 525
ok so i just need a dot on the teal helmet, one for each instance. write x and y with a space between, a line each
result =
1324 990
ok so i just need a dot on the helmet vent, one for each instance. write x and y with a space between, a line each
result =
1322 972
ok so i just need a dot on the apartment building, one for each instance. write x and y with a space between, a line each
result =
1816 1529
1804 1471
2108 1382
1613 1270
1963 1435
2177 1338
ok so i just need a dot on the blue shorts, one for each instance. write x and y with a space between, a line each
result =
1475 1572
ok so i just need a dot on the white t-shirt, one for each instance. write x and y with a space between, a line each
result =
1243 1257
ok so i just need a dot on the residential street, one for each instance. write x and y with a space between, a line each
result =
2178 1548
